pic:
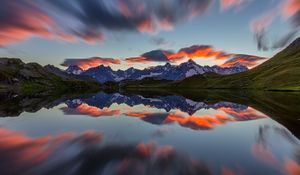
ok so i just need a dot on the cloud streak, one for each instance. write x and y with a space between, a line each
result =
88 20
22 20
246 60
227 4
287 10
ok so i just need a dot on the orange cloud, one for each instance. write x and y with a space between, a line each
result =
227 4
146 149
23 23
85 109
246 60
192 52
290 7
51 19
292 167
136 59
248 114
198 122
22 151
146 26
261 152
138 114
197 51
24 20
86 63
227 171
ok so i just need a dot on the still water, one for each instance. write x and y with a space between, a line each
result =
112 133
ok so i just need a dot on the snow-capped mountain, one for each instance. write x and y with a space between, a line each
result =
76 70
168 72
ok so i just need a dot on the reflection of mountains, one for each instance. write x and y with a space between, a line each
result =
178 110
105 100
282 107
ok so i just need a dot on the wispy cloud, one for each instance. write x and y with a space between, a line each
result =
88 20
227 4
286 10
246 60
159 41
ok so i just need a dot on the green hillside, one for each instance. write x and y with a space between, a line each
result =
34 79
282 72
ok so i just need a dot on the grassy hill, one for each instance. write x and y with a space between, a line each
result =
32 78
282 72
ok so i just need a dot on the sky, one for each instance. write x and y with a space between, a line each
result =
143 33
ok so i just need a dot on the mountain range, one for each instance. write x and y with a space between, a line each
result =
166 72
34 79
280 73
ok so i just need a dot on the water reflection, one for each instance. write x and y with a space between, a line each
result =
88 153
113 133
73 153
263 150
176 109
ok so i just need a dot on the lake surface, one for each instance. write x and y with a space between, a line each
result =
112 133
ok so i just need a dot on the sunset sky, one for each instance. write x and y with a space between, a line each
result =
141 33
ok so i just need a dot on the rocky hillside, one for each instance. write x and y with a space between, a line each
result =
18 76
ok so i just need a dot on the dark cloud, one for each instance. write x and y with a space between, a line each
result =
156 55
198 52
73 20
284 40
86 63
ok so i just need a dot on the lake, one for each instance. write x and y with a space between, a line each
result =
227 133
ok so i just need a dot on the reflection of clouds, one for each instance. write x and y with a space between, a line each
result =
292 167
85 109
227 171
106 100
199 122
72 153
195 122
160 132
23 153
264 154
262 149
246 114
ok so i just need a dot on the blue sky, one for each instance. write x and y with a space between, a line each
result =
227 30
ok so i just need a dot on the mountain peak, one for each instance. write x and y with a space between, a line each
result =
168 64
191 61
167 72
74 69
239 65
